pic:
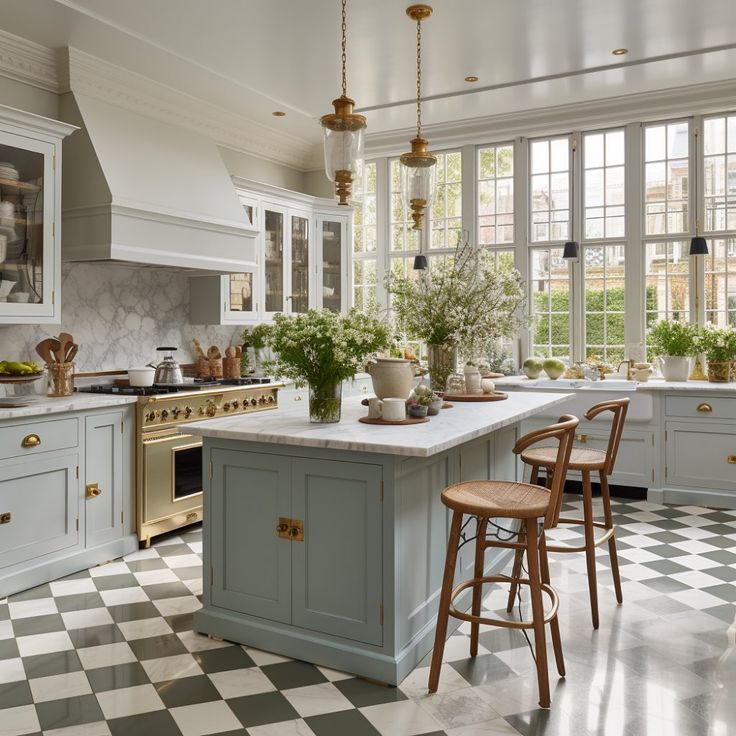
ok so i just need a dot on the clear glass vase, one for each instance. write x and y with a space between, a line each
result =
325 403
442 360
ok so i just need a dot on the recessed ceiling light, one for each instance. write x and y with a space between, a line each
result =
471 78
278 113
620 52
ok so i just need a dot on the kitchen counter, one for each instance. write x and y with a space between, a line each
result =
289 425
654 384
77 402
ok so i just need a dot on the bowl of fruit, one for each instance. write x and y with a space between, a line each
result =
12 371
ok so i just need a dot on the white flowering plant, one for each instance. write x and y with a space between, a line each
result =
321 347
466 301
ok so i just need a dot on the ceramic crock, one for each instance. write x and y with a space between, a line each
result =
392 377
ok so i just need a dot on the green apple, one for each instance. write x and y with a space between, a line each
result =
532 367
553 367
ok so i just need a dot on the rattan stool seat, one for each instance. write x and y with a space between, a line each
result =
497 498
580 459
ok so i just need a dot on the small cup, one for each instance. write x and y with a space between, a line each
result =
394 410
434 408
374 408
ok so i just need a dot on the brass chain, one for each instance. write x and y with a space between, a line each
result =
344 52
419 78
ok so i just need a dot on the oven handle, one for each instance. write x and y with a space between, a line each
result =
159 439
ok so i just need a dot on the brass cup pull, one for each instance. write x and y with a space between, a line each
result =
30 440
582 438
192 516
704 407
294 531
92 490
731 459
282 528
5 517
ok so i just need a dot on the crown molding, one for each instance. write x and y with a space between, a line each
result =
28 62
611 111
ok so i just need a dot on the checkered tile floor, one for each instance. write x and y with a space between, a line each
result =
110 651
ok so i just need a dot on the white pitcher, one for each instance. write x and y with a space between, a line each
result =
392 377
674 367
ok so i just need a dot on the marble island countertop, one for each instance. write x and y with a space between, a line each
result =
654 384
41 405
290 425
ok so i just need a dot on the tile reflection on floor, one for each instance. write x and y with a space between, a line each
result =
111 652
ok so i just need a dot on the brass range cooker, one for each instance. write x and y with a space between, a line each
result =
168 459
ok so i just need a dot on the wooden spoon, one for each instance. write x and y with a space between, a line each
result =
230 352
47 348
65 343
73 350
198 348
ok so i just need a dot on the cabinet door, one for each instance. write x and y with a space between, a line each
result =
701 455
240 301
337 576
39 508
103 472
332 287
30 262
274 257
251 564
299 263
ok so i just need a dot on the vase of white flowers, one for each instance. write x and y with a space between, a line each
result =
322 348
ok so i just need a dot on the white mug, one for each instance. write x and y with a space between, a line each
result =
394 410
374 408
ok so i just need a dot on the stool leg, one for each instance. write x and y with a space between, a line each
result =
443 611
516 571
554 624
480 553
590 546
540 646
613 554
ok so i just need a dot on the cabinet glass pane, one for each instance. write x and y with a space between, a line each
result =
274 249
331 265
21 225
299 264
241 292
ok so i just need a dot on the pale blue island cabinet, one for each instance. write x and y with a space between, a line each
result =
326 543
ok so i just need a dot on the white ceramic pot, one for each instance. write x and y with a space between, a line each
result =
141 376
674 367
392 377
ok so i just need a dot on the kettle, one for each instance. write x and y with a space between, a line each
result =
168 371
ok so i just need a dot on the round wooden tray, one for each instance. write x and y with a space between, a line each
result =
387 423
495 396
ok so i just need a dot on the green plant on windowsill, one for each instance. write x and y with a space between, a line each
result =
669 337
719 346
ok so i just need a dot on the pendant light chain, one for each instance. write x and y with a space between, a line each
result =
344 49
419 78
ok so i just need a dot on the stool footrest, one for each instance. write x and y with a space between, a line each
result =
609 532
476 582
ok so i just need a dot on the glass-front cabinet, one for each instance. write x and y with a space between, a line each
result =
300 261
30 218
332 269
274 220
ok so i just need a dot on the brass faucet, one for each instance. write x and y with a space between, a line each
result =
629 369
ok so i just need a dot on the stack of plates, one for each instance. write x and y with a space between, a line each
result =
8 171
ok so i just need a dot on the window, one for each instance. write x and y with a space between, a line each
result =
447 210
667 281
550 190
495 195
550 303
666 178
403 237
603 171
365 236
720 282
719 172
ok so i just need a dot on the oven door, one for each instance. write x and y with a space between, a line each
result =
172 474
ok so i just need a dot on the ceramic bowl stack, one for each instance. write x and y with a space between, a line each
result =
8 171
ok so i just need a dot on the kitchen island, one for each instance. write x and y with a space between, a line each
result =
326 543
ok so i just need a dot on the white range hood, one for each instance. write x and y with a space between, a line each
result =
137 190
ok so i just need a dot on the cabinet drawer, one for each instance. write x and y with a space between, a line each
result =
22 440
701 407
701 455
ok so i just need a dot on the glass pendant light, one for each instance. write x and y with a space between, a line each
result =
344 133
418 166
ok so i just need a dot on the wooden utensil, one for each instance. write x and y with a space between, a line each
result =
230 352
47 348
65 343
198 348
213 352
73 350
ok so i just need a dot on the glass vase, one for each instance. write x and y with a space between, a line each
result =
325 403
442 361
719 371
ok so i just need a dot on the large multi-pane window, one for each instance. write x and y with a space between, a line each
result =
604 296
667 280
447 209
550 303
404 239
550 189
604 187
365 239
495 195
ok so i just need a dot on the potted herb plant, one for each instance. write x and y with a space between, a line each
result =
323 348
719 346
674 343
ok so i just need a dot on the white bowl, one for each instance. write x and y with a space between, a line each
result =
141 376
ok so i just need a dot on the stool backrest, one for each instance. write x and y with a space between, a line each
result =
564 432
618 407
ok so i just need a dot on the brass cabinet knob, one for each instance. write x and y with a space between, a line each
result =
30 440
5 517
92 490
282 528
704 407
581 438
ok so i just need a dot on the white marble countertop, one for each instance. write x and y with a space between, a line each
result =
290 425
653 384
41 405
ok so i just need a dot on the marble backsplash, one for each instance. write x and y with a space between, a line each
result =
118 316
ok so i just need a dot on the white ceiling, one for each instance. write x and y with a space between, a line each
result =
253 57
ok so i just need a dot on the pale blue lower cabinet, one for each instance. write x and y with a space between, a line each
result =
360 591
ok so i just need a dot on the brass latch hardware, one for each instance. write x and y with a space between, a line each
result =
581 438
732 459
30 440
5 517
192 516
704 407
92 490
291 529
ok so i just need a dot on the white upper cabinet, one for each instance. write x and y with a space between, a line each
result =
302 261
30 217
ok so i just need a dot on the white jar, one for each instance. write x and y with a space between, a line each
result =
472 379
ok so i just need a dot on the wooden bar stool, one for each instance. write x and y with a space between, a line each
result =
488 499
586 461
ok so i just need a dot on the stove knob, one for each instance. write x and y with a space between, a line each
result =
226 406
201 410
271 399
211 409
236 404
187 411
262 400
254 402
150 417
175 412
164 414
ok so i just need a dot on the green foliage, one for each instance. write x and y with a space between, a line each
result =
673 337
718 344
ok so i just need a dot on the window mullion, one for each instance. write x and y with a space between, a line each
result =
522 261
577 299
634 319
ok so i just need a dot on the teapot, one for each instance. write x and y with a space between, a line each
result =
168 371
